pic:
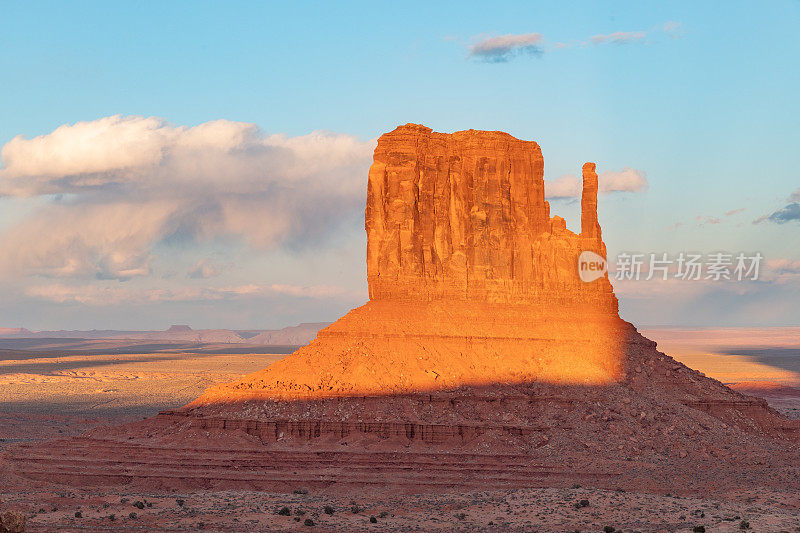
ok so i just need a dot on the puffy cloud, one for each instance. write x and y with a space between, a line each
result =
110 295
125 184
625 180
619 37
105 240
502 48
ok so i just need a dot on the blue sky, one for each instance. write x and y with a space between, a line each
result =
702 100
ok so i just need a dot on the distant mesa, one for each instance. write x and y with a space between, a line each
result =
481 360
298 335
7 332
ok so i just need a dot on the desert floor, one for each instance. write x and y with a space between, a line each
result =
58 388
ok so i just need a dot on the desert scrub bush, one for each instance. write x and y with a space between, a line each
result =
180 502
373 520
461 516
284 511
699 529
301 491
609 529
383 514
581 504
78 514
355 509
138 504
328 509
744 524
308 522
132 516
299 512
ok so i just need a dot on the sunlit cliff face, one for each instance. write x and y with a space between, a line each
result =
471 281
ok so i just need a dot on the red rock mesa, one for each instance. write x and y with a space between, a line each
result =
481 360
470 280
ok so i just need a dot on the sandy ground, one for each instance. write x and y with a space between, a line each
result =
54 392
510 510
759 361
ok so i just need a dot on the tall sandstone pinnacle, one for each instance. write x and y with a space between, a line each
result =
590 227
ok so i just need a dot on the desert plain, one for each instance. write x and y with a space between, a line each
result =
55 388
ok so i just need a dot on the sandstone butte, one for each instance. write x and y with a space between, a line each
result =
480 360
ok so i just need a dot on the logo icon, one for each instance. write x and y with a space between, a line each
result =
591 266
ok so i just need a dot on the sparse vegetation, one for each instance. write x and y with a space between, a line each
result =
373 520
383 514
308 522
581 504
138 504
355 509
180 502
461 516
301 491
285 511
609 529
699 529
132 516
744 524
78 514
329 509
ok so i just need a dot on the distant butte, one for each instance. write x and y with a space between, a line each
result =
481 360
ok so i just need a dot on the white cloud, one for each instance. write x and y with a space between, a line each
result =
673 28
619 37
625 180
125 184
501 48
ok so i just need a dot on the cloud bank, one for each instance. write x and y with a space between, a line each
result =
119 186
625 180
103 296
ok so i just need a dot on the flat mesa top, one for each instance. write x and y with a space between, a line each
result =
419 130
